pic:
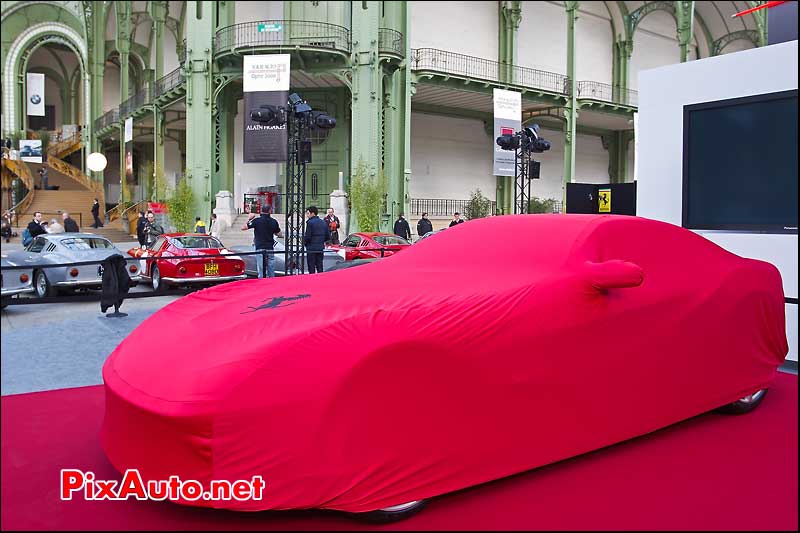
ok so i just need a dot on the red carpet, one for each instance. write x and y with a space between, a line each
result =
711 472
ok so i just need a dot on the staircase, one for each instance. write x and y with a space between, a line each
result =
235 237
76 191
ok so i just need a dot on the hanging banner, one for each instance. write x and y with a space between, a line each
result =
128 130
30 150
35 84
266 82
507 120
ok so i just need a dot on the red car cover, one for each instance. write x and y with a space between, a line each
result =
495 347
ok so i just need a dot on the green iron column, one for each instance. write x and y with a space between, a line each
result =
224 113
123 47
684 13
158 12
617 143
366 95
509 18
199 90
571 109
97 63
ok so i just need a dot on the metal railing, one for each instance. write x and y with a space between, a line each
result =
441 207
390 42
136 101
283 33
252 202
593 90
65 146
485 69
19 169
107 119
168 82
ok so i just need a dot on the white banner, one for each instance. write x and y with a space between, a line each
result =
128 129
507 121
266 72
35 84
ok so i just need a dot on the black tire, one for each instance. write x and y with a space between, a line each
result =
159 287
42 285
744 405
394 513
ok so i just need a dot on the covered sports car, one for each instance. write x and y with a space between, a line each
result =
596 329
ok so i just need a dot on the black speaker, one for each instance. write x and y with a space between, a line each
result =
534 170
304 152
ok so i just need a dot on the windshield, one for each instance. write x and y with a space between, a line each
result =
389 240
197 242
85 243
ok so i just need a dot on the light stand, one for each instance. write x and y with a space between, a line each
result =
299 118
524 143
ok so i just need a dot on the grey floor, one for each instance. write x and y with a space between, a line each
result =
54 346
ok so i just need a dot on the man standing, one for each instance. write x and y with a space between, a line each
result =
70 226
152 230
401 228
199 225
332 221
265 228
140 225
96 214
315 236
35 226
214 225
424 225
456 220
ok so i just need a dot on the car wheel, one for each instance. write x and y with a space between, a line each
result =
393 513
159 286
43 286
744 405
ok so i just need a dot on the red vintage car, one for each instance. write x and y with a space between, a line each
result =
369 245
191 264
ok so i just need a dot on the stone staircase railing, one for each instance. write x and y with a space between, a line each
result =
77 175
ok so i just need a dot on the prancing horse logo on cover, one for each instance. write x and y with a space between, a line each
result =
277 301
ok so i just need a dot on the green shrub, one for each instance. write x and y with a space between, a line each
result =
180 206
478 206
366 198
542 205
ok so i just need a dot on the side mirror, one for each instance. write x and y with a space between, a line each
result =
613 274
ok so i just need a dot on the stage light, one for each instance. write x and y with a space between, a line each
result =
269 115
96 162
508 141
322 120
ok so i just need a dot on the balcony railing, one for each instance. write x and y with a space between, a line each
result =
485 69
390 42
168 82
593 90
441 207
136 101
107 119
283 33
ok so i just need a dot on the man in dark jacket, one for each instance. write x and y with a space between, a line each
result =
401 227
96 214
70 226
424 225
152 229
333 225
314 240
140 224
456 220
35 226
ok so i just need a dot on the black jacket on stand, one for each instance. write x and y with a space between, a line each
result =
115 282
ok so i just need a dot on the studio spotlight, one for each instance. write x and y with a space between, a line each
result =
322 120
508 141
269 115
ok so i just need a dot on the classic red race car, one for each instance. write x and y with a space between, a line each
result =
181 259
369 245
597 329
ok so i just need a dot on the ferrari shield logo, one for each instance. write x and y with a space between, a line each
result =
604 200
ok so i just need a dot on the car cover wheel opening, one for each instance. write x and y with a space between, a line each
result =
745 404
394 512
